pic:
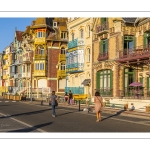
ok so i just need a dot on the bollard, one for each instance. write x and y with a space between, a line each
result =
79 105
147 108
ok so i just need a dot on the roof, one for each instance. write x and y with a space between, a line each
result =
129 20
27 30
19 35
86 82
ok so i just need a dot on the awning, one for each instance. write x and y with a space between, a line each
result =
86 82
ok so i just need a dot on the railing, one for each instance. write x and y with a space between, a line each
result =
12 74
75 65
102 28
26 75
106 92
5 67
40 56
17 75
102 56
61 73
26 59
75 90
135 53
75 43
62 57
17 62
39 73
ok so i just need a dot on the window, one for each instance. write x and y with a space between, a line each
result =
63 51
23 68
36 66
104 82
63 35
81 33
104 46
39 66
89 31
39 34
72 36
88 54
28 68
63 67
128 42
55 24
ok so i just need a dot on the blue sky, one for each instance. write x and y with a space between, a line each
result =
7 29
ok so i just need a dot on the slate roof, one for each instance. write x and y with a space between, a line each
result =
129 20
19 35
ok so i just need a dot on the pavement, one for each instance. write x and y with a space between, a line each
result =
90 109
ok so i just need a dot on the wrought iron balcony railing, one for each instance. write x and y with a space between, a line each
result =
75 43
102 28
75 90
102 56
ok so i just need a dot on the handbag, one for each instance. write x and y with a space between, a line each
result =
56 103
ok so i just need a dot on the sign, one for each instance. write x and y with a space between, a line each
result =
46 90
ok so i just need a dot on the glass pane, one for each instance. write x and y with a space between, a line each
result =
101 81
130 44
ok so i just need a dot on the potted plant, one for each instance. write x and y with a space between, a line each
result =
17 97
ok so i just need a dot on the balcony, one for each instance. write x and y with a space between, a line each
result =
5 67
139 53
103 28
76 67
62 57
3 89
40 56
5 77
39 73
17 75
75 90
12 74
5 57
75 43
26 60
26 75
18 62
39 40
102 56
61 74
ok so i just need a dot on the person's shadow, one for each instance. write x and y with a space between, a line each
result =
117 113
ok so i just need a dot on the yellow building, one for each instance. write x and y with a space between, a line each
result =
79 57
121 56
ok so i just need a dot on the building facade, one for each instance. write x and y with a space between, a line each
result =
78 57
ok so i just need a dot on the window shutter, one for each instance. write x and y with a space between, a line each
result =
98 80
147 83
101 46
145 40
123 42
134 42
106 43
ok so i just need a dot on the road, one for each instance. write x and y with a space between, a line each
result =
23 117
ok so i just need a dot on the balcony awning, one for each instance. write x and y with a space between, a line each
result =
86 82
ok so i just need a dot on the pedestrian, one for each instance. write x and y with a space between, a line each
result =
66 97
53 99
70 101
98 106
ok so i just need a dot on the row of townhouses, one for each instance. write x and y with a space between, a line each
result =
83 55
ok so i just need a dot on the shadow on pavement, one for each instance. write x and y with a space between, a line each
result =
32 128
28 113
117 113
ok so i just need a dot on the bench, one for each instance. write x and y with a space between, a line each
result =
124 106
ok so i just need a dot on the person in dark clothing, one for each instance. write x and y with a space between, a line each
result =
53 98
70 101
66 97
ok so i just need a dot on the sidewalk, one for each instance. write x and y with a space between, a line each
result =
114 111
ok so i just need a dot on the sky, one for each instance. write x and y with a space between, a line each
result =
7 29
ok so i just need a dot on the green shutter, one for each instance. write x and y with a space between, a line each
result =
123 42
98 80
147 82
101 46
134 41
145 40
106 42
141 80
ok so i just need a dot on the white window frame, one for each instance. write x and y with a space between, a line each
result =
88 55
54 24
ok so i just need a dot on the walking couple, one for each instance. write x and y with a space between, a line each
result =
69 98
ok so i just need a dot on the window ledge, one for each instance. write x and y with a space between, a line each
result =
88 37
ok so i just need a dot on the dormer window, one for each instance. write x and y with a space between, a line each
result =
54 24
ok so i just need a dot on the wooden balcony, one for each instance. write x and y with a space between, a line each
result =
3 89
61 74
5 77
5 67
39 40
39 73
102 56
139 53
103 28
62 57
17 75
5 56
40 56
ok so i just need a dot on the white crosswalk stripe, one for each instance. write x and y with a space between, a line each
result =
6 101
13 101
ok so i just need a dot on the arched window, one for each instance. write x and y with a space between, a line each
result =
88 30
40 50
88 54
81 33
